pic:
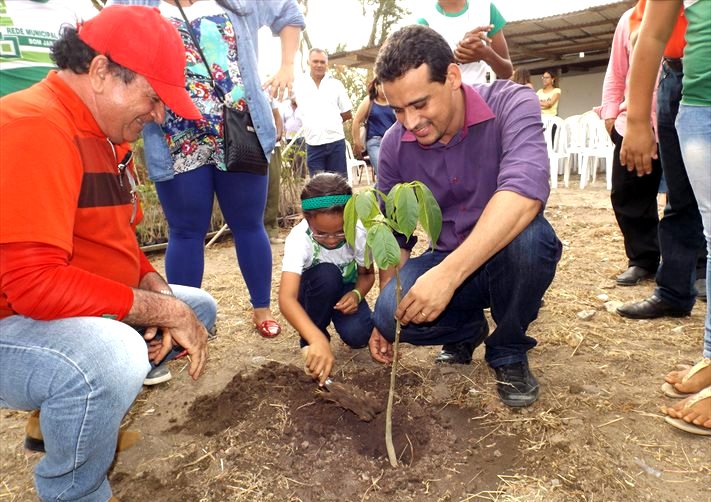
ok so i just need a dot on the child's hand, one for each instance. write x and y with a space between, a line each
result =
348 304
381 350
319 360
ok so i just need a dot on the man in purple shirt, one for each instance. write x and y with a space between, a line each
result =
481 151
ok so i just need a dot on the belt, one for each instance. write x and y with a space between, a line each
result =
674 64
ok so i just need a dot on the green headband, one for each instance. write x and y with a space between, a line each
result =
324 201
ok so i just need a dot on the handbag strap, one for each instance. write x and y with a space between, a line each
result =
218 91
367 115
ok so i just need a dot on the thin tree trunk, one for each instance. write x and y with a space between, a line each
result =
393 377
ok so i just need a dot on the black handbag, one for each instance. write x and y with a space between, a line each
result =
243 151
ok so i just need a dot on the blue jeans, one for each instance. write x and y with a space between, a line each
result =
694 127
372 146
511 283
187 201
330 157
320 289
681 240
83 374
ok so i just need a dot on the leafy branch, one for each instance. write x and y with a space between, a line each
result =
406 205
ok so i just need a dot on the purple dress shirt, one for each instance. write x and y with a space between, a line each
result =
500 147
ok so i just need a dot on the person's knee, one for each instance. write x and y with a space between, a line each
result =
119 364
355 338
206 310
534 248
104 360
356 335
202 303
384 312
181 232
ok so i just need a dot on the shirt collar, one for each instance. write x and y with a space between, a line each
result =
327 76
84 119
476 111
73 102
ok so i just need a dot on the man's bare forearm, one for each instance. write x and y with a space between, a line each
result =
155 309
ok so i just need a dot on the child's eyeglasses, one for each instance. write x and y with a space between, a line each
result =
337 235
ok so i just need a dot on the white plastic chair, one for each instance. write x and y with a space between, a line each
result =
355 167
599 146
556 151
573 138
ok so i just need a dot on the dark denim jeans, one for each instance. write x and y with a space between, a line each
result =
320 289
681 238
330 157
511 283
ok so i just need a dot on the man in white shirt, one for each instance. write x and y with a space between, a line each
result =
325 106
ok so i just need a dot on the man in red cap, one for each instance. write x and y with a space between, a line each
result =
74 285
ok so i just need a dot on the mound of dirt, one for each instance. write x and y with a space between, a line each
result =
272 434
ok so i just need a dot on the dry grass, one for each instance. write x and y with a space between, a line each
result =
596 433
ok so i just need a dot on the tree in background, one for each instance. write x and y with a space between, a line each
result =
386 13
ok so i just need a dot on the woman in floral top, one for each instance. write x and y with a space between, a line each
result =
196 148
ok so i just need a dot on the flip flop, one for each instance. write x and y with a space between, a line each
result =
670 391
269 328
689 427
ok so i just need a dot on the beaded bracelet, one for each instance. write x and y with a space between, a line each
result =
357 293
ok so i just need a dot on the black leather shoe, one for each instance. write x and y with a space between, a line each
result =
516 385
461 353
633 276
651 308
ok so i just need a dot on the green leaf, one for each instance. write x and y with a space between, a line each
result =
349 222
430 213
406 210
366 206
367 257
386 251
390 201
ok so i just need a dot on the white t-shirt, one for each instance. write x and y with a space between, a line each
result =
454 27
301 252
292 120
321 109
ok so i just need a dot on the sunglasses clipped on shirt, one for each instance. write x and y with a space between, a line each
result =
125 172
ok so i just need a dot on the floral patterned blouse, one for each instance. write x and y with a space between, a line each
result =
193 144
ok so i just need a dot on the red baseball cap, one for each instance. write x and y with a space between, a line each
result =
140 39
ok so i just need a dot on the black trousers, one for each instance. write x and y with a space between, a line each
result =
634 200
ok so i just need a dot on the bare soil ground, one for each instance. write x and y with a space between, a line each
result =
255 429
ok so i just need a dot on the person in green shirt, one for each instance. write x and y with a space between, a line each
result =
473 30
